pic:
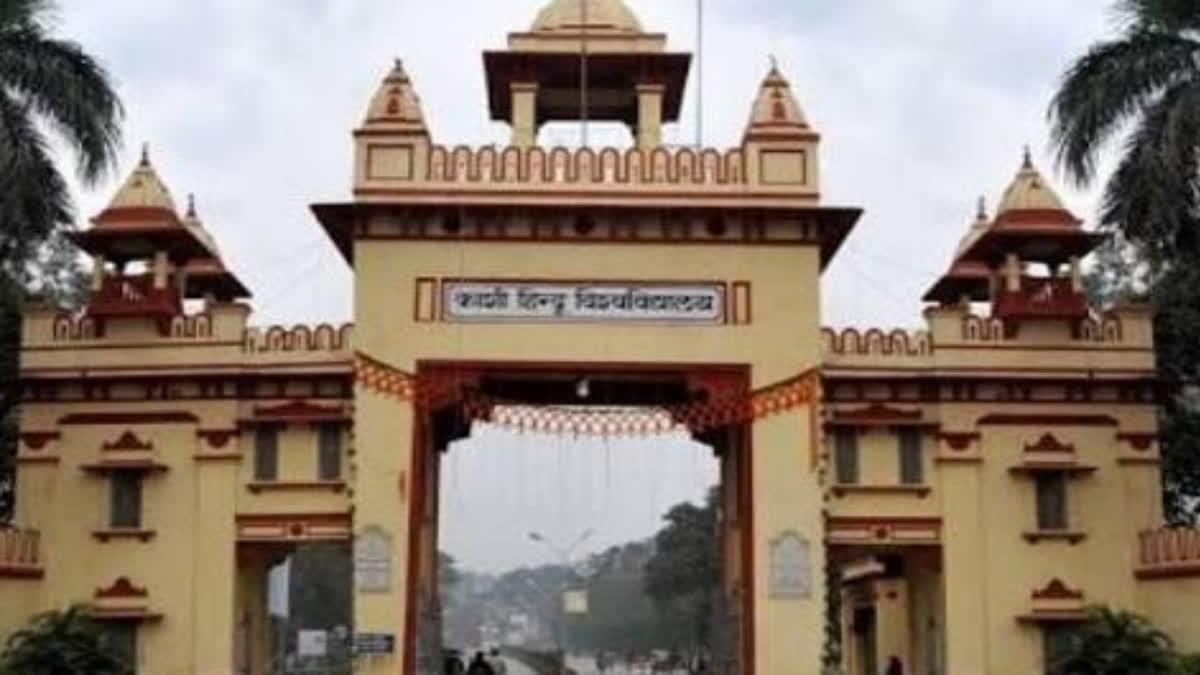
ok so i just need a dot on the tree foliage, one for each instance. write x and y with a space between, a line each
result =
682 576
1140 90
61 643
49 87
1114 642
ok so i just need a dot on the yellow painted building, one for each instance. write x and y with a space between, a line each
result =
969 487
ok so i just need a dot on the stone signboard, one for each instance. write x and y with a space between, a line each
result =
791 566
373 560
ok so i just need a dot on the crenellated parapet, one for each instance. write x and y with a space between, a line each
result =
323 337
897 343
955 337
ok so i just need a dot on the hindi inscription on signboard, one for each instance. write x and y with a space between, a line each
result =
373 560
791 566
570 301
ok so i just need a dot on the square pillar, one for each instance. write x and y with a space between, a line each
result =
788 540
964 550
649 126
388 486
524 114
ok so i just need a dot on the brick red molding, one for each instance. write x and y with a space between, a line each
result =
161 417
36 440
1048 420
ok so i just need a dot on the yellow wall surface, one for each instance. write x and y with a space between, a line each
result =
787 496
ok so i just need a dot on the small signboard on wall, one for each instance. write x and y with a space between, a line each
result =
575 601
374 643
589 302
373 560
312 642
791 566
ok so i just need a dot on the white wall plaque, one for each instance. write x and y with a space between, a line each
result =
373 560
791 566
312 643
572 301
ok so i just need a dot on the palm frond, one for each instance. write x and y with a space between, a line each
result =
1154 194
24 12
1108 87
34 198
69 89
1164 15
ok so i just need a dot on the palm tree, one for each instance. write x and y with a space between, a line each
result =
46 84
1143 85
1114 642
61 643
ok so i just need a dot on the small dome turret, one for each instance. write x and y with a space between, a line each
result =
775 108
395 103
599 15
977 228
191 220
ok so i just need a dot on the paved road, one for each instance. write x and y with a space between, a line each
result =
515 667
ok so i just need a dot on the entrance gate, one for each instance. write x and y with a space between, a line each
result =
687 279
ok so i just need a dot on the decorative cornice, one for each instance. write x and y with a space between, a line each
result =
1048 420
299 410
843 489
121 588
127 441
123 533
1070 536
1140 441
958 440
293 486
877 412
110 465
217 438
130 417
36 440
1048 443
1056 590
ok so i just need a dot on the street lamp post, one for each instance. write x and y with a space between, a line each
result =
565 555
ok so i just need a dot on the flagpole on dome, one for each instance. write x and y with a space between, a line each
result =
699 74
583 73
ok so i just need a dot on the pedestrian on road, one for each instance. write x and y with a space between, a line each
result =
497 662
480 666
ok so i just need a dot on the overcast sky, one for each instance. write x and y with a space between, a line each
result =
922 105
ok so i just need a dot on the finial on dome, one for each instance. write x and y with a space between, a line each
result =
981 208
774 63
145 161
1027 160
191 206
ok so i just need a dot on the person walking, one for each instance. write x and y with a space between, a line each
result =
499 667
480 666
